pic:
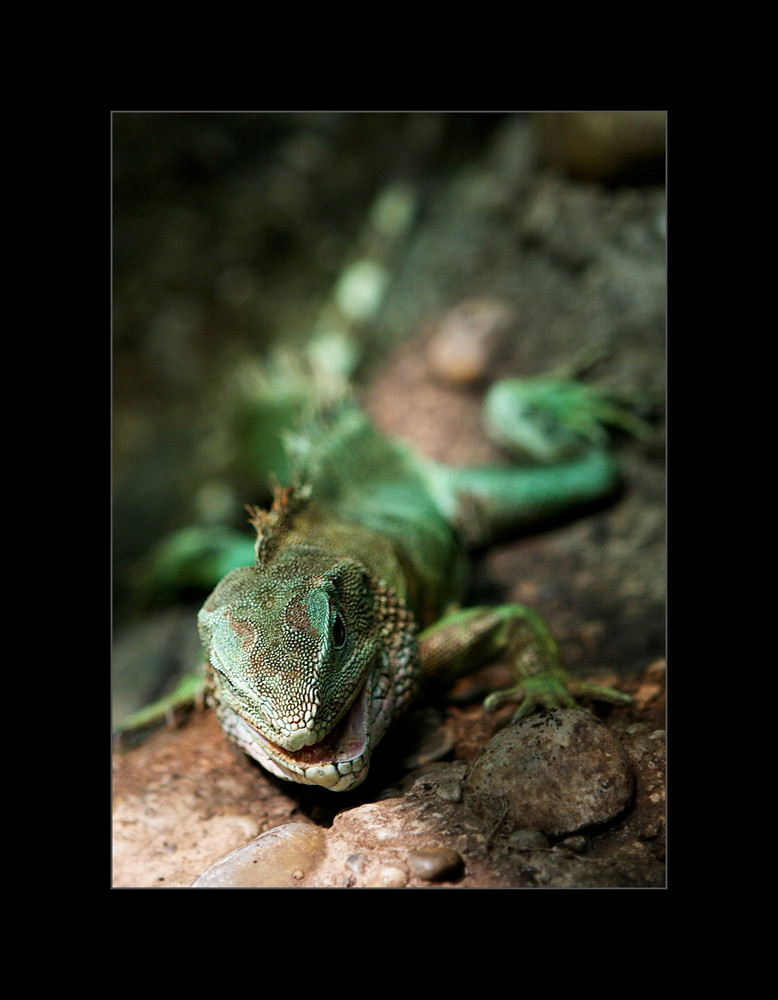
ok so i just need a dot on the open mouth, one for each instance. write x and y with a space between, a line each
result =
338 761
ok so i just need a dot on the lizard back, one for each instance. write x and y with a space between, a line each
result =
372 497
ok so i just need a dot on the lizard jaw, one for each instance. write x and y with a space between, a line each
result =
339 761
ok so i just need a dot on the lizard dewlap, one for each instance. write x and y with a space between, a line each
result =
315 649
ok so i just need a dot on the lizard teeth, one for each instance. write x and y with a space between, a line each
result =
338 761
322 774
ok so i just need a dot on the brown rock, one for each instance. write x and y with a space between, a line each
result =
281 858
558 773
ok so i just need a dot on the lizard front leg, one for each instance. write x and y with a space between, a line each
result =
190 692
464 640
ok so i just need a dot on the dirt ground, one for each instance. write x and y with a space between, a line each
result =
231 232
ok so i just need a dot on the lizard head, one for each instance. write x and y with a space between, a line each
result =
304 670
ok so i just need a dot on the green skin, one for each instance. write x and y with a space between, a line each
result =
353 597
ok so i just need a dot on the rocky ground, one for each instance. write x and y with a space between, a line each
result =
510 255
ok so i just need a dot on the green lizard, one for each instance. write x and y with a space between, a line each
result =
359 565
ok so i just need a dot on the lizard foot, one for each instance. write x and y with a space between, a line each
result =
552 419
553 690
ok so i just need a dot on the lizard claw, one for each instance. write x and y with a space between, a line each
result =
599 692
550 691
553 420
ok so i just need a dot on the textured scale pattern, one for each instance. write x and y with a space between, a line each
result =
318 647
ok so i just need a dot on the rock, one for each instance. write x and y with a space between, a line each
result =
389 877
577 843
435 864
528 840
450 791
603 145
522 801
281 858
558 773
464 338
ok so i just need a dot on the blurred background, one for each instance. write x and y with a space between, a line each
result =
240 236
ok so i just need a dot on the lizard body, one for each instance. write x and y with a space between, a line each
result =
353 596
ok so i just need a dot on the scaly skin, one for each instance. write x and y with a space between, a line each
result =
352 599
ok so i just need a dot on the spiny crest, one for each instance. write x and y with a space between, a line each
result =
323 427
271 525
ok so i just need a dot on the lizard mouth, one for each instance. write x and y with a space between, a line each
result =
338 761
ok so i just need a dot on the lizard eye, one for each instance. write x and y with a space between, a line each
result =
338 633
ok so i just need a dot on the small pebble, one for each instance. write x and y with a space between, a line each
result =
528 840
577 842
434 864
356 862
390 878
450 791
464 337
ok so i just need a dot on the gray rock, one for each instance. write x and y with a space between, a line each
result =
557 773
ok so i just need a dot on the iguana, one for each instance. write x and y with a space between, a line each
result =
359 567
